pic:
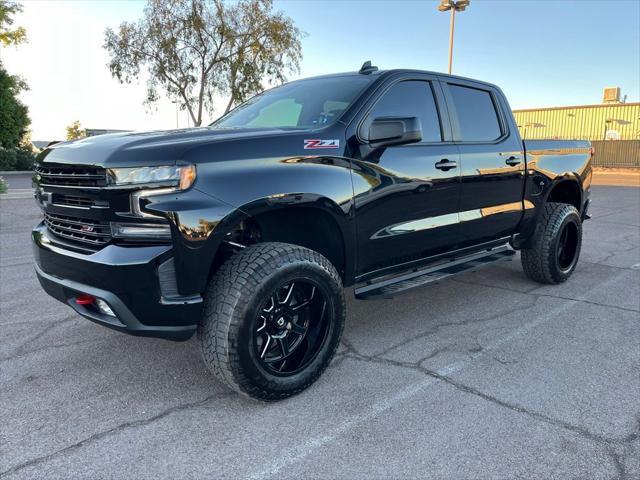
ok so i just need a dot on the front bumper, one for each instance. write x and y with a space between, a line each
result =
128 278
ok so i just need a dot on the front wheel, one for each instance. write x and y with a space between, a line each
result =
555 248
273 318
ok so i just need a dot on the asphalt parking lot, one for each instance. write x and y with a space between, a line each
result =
487 375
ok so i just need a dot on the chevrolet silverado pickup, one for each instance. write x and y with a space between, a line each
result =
246 232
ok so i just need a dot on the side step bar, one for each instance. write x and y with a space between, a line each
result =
390 287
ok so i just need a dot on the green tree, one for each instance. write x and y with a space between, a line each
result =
14 116
195 50
15 149
75 131
9 36
266 53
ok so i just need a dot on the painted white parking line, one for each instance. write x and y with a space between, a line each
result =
17 194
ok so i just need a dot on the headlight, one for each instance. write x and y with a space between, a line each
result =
176 176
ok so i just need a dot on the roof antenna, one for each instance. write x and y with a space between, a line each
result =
367 68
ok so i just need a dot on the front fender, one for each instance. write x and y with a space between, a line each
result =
199 223
243 182
228 192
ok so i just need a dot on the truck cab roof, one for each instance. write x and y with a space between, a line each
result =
377 74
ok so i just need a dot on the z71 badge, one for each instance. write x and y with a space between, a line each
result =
318 143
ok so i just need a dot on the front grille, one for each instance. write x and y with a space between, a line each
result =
76 201
83 230
71 175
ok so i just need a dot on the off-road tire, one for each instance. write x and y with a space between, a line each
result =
235 294
540 260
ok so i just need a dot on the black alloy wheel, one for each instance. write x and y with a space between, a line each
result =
291 327
567 246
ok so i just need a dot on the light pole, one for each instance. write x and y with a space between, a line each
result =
454 6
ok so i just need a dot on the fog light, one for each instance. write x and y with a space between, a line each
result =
104 307
141 231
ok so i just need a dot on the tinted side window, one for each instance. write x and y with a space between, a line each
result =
410 99
477 117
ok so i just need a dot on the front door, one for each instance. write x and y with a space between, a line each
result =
407 200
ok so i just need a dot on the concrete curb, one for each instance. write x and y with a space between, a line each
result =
630 171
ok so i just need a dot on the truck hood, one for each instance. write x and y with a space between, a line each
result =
148 148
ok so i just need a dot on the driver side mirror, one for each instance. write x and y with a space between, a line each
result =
388 131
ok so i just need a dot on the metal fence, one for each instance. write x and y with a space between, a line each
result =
616 153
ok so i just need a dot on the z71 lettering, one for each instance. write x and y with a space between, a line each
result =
318 143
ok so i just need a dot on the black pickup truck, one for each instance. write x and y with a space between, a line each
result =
247 231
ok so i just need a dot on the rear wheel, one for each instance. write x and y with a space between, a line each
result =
273 317
555 248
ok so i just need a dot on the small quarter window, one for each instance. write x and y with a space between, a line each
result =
476 112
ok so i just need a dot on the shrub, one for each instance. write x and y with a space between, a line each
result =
24 159
8 159
16 159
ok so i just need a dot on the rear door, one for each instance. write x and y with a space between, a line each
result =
407 199
491 161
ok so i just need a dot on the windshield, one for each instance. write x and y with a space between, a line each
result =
304 104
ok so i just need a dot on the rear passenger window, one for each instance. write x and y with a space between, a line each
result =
477 117
412 98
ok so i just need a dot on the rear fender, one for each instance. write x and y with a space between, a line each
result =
539 194
550 164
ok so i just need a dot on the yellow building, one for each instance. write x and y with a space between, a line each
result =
620 121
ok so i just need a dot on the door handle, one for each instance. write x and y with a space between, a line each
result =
446 164
512 161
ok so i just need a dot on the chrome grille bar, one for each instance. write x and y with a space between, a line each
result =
71 176
79 229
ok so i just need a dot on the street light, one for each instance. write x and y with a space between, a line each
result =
454 6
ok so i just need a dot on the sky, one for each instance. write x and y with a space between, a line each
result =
542 53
